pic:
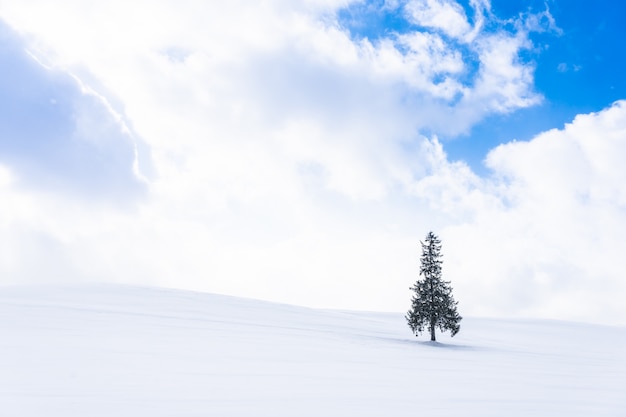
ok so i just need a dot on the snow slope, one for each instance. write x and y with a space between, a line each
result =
125 351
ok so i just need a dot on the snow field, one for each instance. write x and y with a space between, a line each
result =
93 351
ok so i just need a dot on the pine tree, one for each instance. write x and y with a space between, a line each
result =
432 305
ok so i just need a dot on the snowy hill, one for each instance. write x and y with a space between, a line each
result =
125 351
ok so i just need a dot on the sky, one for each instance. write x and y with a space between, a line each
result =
298 151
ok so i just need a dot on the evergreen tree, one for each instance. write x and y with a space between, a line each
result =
432 305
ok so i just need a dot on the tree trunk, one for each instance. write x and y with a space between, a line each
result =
432 332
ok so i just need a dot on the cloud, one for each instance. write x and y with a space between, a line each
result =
466 68
446 16
52 134
564 67
549 241
292 160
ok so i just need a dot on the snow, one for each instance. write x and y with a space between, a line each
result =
128 351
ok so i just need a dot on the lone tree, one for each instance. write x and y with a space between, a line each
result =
432 305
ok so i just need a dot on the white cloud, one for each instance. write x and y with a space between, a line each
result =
564 67
552 244
288 160
503 81
447 16
6 177
57 133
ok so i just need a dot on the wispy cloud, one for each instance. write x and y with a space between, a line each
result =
468 67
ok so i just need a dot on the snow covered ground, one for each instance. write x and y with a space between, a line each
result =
124 351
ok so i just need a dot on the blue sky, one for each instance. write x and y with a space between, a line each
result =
297 151
578 68
577 71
